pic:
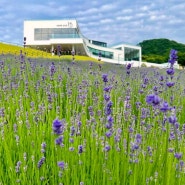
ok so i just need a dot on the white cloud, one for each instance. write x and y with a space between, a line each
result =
88 11
108 7
144 8
105 21
124 18
130 21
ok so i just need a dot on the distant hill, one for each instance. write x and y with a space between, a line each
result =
157 50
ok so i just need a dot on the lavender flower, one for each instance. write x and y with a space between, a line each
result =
59 50
17 168
79 123
105 78
170 84
108 125
41 162
72 129
71 140
59 140
153 99
165 107
128 66
145 80
110 119
108 134
106 97
161 78
61 165
106 148
172 119
110 122
80 149
58 127
43 145
173 57
107 89
170 71
138 138
178 155
134 146
117 138
71 149
181 163
52 69
108 109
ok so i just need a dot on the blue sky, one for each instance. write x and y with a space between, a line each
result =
128 21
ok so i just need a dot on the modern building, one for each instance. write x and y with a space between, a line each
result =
52 35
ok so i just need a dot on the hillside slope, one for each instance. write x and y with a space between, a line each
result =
157 50
34 53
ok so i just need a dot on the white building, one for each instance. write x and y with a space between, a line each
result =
65 35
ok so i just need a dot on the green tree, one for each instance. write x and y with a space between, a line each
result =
181 58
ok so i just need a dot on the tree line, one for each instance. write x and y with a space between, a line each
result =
157 50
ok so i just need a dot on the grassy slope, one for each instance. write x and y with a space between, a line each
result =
15 50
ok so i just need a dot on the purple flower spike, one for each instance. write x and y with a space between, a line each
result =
161 78
110 119
170 84
106 97
178 155
173 57
107 89
107 148
135 146
138 138
41 162
149 98
57 127
61 164
108 134
153 99
172 119
108 107
165 107
128 66
105 77
59 140
80 149
170 71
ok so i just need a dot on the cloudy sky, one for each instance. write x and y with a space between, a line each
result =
128 21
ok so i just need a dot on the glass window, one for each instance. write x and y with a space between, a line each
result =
131 54
105 54
47 33
38 30
45 30
37 37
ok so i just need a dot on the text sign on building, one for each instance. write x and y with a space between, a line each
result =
66 25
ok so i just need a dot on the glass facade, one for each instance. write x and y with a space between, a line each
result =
131 54
98 43
55 33
105 54
120 48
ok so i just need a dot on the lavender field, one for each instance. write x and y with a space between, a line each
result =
84 123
